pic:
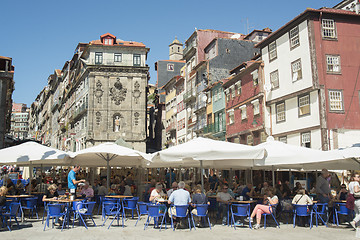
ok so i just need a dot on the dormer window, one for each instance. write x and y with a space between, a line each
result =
108 41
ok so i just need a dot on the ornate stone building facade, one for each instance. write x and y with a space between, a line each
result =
100 95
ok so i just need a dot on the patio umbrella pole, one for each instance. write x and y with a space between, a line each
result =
202 176
273 175
30 176
108 172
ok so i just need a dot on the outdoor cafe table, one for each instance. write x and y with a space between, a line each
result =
67 202
17 198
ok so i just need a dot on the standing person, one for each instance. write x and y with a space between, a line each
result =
170 178
323 190
354 187
72 180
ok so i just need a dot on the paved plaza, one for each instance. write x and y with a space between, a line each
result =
33 229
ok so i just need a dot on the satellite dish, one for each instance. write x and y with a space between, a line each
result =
174 110
204 98
188 109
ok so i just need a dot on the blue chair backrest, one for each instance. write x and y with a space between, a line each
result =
77 205
1 182
14 181
131 202
114 200
54 209
109 207
242 209
202 209
89 206
181 210
30 202
301 210
343 209
143 207
14 207
24 182
320 207
153 210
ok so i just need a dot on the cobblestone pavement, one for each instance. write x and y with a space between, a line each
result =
33 229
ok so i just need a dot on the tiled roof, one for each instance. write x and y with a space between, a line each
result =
300 16
119 42
7 58
107 34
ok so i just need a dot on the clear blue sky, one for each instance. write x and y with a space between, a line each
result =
41 35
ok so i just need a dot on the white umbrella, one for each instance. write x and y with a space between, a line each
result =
205 152
212 153
34 153
350 152
109 154
282 155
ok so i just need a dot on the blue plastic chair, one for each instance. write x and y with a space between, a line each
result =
55 211
86 213
107 200
30 204
320 209
12 213
154 211
112 209
273 208
242 210
142 209
302 211
130 204
45 211
202 211
181 211
340 208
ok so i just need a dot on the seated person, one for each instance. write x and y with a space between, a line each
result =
248 192
102 190
342 194
51 193
301 198
285 191
296 188
3 191
264 188
223 197
269 199
61 191
11 187
157 193
86 191
198 198
174 186
179 197
19 187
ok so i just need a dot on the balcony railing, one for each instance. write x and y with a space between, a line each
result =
79 112
189 95
199 106
188 48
